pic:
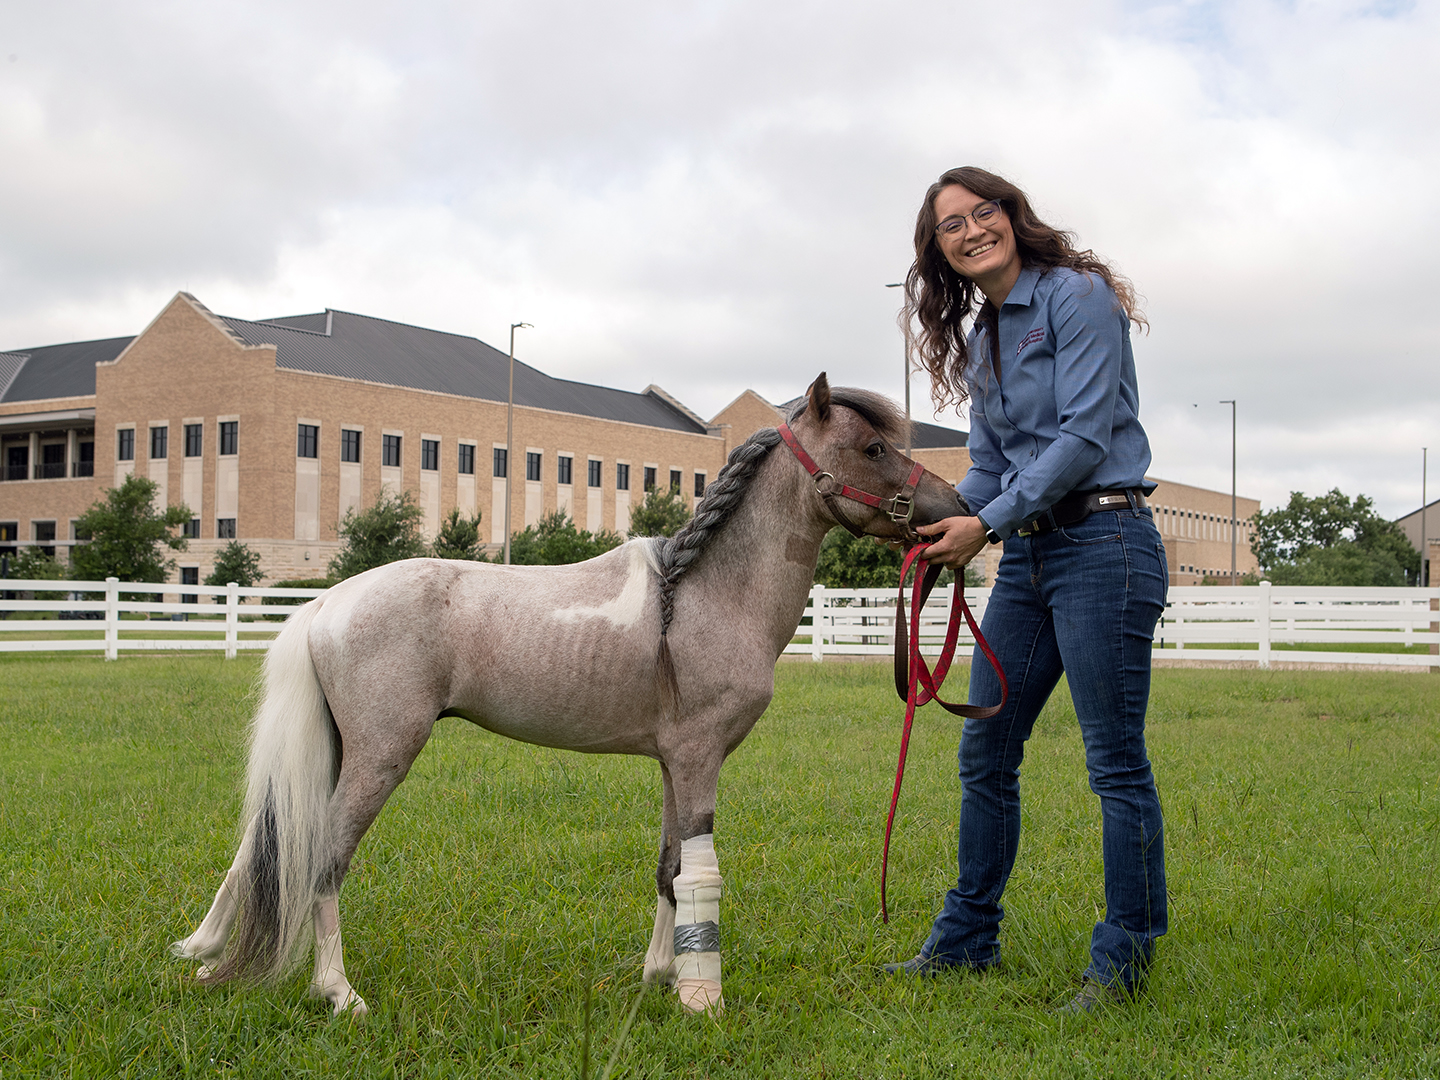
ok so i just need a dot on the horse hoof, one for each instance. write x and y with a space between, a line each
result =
204 971
353 1006
700 995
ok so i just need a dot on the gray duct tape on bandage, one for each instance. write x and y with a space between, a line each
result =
698 937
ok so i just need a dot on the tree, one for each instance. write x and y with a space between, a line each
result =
387 532
459 538
555 540
1330 540
236 562
127 535
663 513
863 562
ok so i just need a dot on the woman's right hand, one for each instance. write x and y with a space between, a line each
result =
957 541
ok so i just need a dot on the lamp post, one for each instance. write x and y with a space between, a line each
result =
1234 578
1421 579
909 450
510 434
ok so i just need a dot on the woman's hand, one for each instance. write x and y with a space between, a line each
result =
958 540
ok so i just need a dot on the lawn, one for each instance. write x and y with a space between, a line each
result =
504 884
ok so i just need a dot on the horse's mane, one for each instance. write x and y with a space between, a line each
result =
723 497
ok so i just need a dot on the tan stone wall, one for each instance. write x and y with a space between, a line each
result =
744 416
1194 523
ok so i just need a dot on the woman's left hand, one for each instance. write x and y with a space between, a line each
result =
958 540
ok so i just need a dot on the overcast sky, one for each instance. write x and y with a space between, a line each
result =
712 196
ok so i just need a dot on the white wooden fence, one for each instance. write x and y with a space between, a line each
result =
1254 618
216 617
837 622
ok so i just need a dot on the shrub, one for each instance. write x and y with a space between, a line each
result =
385 533
555 540
236 563
663 513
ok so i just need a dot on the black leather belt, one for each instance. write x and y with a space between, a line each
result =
1079 505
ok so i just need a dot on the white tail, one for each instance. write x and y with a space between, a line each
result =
291 775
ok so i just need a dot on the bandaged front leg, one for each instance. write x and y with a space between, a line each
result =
697 925
207 943
660 960
329 981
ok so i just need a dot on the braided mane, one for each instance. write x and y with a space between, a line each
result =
678 553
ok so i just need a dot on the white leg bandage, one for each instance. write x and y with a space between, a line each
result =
660 960
697 925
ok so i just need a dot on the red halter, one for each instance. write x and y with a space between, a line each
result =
900 507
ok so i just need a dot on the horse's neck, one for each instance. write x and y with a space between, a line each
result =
762 562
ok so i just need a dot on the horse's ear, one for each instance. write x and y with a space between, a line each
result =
819 395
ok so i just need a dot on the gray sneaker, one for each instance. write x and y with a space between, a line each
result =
1096 995
923 966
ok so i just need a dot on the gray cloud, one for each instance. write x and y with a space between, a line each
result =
713 196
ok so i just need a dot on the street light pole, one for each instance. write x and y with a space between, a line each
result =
1234 578
1421 579
510 435
909 438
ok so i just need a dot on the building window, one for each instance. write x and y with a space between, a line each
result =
566 465
390 450
501 462
45 530
594 477
86 465
9 533
307 440
230 437
649 479
194 439
52 462
191 529
189 575
124 445
349 445
159 443
532 465
430 455
699 484
225 528
622 477
675 478
467 459
17 462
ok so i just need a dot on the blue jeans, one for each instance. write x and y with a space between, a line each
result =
1083 601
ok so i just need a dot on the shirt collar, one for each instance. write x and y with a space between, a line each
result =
1023 291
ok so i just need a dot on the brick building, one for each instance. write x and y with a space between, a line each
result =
270 430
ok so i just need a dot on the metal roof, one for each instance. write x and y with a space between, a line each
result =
55 371
396 354
923 436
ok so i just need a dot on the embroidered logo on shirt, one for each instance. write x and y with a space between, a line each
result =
1038 334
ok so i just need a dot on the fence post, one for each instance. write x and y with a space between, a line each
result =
1177 616
1262 622
232 619
1434 629
817 622
112 618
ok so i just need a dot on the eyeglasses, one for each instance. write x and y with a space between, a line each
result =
982 215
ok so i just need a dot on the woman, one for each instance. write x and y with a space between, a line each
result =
1005 312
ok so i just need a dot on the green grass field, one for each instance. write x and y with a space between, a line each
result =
504 883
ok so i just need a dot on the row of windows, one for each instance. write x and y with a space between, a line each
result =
51 465
308 446
194 441
224 529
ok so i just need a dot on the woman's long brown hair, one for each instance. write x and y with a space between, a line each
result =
938 301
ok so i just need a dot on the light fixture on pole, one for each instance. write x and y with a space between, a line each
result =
510 434
1422 579
909 438
1234 578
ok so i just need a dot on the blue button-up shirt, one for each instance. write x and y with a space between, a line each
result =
1065 414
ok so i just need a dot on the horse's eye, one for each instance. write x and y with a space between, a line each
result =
875 451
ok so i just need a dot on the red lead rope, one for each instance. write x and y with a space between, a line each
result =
917 684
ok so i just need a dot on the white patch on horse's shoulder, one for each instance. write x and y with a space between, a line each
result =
626 609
